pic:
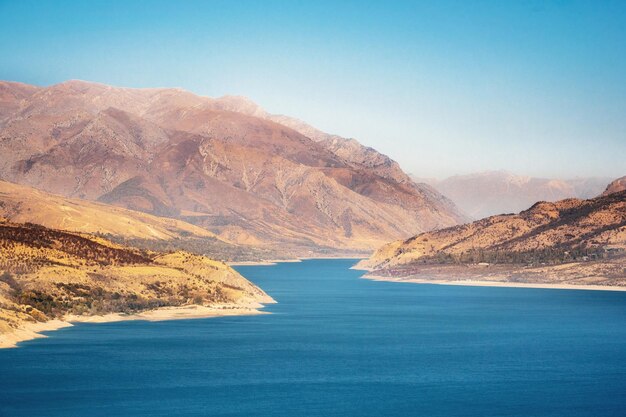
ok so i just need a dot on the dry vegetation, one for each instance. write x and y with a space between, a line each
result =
47 273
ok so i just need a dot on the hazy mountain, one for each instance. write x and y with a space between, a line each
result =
616 186
222 164
497 192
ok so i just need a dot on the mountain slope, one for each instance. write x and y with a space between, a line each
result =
349 150
232 170
547 233
21 204
496 192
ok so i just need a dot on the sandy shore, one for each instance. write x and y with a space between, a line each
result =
30 330
262 263
478 283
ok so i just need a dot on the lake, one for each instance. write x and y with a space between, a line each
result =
338 345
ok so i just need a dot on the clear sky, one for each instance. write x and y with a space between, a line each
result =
443 87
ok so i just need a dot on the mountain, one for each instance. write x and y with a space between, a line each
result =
222 164
548 233
48 274
497 192
615 186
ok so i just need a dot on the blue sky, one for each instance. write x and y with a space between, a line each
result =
443 87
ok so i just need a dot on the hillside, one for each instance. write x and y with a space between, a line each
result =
22 204
48 274
495 192
222 164
615 186
569 232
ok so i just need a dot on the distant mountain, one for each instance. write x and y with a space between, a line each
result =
566 231
498 192
616 186
222 164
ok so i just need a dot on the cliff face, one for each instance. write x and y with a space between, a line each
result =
47 274
223 164
563 231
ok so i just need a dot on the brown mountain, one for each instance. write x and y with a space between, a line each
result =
565 232
497 192
222 164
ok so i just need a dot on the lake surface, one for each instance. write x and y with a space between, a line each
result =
338 345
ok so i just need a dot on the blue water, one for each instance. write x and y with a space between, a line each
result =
338 345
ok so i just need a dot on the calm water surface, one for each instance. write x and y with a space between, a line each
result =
338 345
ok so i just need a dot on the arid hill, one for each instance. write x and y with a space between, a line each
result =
47 274
566 232
222 164
495 192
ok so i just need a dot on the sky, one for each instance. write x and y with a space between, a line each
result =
444 87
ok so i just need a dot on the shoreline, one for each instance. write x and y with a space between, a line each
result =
33 330
271 262
500 284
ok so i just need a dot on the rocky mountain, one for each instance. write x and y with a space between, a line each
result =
550 233
48 274
497 192
222 164
615 186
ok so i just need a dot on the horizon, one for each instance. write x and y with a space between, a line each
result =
537 89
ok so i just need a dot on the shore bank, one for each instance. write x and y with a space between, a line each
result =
262 263
481 283
33 330
281 261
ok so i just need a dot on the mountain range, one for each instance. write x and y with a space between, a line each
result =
224 165
497 192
